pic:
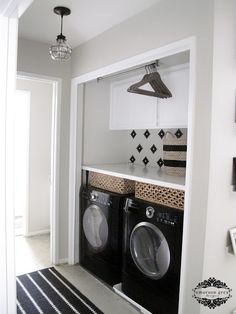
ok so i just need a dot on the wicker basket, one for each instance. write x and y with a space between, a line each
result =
160 195
110 183
174 154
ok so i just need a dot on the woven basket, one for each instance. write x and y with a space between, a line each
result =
174 154
110 183
160 195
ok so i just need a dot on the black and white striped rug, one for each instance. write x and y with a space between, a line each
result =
47 291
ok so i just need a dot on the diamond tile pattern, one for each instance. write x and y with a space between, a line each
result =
139 148
178 133
160 162
161 133
145 161
153 149
132 159
133 134
146 146
146 133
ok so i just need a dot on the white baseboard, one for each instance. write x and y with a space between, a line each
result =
39 232
63 261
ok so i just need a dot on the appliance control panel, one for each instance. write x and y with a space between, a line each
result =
167 218
150 211
101 198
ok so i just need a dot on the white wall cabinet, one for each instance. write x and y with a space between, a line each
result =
134 111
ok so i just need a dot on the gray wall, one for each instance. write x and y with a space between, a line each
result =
101 145
221 215
164 23
167 22
33 57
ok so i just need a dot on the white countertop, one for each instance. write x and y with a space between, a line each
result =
139 173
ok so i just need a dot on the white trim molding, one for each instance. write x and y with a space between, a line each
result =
76 129
141 59
8 53
39 232
10 7
72 175
55 158
9 14
3 228
63 261
188 178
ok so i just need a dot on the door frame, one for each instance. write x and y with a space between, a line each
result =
76 142
10 11
55 157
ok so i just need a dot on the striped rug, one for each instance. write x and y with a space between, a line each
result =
47 291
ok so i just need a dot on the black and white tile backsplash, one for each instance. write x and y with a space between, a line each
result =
146 146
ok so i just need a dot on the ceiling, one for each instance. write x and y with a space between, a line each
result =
88 18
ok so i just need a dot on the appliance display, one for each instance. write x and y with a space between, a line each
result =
101 233
152 255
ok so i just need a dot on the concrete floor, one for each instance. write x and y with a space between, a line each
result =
103 297
33 253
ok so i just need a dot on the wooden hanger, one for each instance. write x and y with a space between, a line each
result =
153 78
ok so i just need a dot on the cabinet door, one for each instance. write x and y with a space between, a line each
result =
131 111
135 111
173 112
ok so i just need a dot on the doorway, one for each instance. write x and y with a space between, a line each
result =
36 169
76 140
21 159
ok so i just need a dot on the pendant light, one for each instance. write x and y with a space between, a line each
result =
61 51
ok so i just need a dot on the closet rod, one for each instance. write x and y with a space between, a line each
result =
127 71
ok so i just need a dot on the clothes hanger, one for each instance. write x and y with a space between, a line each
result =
154 79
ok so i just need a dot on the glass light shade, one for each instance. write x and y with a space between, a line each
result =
61 51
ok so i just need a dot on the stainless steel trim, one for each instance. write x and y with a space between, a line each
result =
161 237
149 225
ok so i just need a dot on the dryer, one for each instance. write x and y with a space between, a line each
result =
152 255
101 217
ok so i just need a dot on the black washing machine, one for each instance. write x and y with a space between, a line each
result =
101 220
152 255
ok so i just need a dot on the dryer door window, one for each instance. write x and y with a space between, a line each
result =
95 227
150 250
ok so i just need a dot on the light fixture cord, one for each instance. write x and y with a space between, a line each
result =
61 23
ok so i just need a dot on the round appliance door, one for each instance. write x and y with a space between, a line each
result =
95 227
150 250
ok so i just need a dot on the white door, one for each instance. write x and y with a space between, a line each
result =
41 100
21 158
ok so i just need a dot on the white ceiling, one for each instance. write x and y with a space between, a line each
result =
88 18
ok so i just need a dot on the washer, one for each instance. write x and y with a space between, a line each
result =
152 255
101 233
